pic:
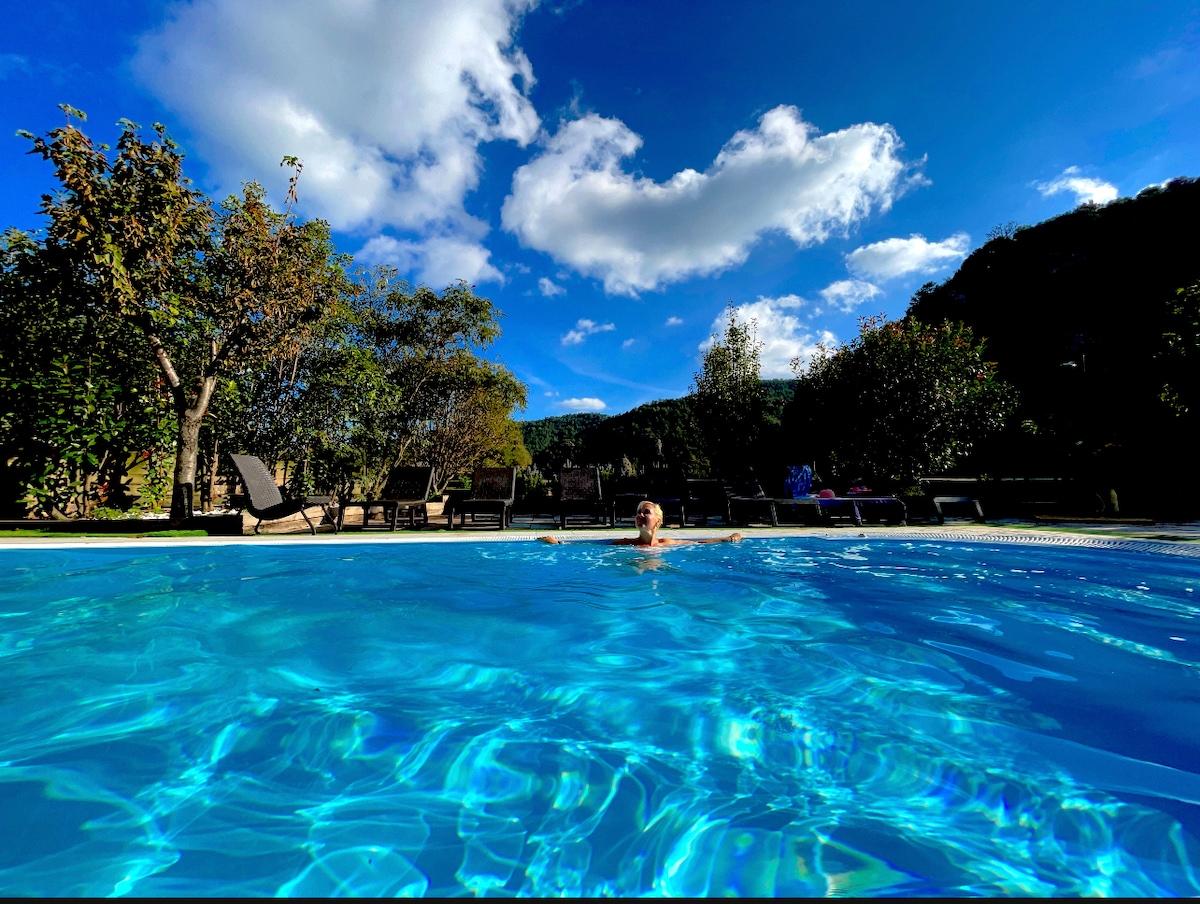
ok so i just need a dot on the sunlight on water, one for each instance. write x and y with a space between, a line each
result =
783 717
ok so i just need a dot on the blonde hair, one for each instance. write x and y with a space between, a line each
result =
655 506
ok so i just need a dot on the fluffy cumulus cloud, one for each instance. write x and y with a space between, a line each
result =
848 294
440 260
576 202
777 325
549 288
385 103
1086 191
585 328
584 404
892 258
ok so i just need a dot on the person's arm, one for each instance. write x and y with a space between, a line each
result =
732 538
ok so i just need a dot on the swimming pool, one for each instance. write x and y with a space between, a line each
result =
787 716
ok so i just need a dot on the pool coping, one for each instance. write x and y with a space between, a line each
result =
966 532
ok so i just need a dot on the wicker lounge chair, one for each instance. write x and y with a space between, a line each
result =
580 495
407 488
492 492
266 503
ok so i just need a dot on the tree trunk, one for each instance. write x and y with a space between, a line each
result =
186 449
212 476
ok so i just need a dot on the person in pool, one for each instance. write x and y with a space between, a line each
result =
648 520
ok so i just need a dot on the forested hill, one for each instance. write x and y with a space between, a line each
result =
1076 312
664 432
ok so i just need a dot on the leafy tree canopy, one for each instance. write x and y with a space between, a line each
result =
899 401
728 398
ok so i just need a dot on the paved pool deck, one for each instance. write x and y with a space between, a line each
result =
1179 538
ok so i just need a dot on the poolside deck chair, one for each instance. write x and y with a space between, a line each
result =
266 503
580 495
749 503
668 490
493 491
706 498
939 501
406 489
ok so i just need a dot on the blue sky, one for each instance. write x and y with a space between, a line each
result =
613 174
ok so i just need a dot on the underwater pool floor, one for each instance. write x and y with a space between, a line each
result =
956 714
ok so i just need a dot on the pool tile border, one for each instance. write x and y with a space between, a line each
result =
982 534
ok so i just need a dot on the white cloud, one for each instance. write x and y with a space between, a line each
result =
673 321
847 294
584 404
1087 191
575 202
780 331
437 261
549 288
585 328
627 343
899 257
385 103
14 62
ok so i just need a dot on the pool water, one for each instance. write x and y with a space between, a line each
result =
784 716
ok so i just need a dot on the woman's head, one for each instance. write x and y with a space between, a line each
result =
649 515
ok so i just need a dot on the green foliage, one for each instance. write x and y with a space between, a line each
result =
209 292
78 404
392 376
1180 355
728 398
899 401
552 441
1082 315
145 319
657 434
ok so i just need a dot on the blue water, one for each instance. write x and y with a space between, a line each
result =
780 717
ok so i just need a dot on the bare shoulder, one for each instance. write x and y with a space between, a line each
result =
624 541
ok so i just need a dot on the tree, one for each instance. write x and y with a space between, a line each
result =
78 402
728 397
209 291
900 400
389 378
1180 352
472 424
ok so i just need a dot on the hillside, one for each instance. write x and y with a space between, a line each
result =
1074 311
661 432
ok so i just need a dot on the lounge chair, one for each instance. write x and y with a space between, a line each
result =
580 495
706 498
665 488
973 502
266 503
492 492
749 503
407 488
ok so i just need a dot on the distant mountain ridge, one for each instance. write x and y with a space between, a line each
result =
662 431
